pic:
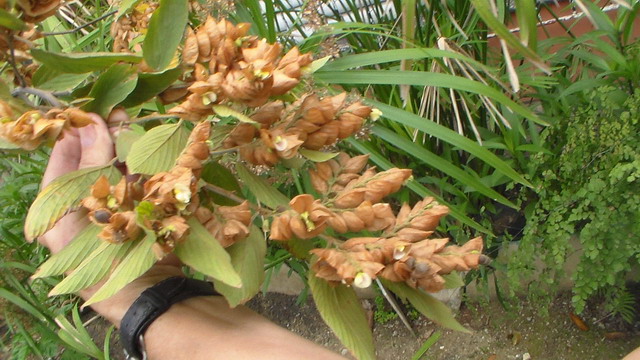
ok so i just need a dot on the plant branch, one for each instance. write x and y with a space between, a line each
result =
43 94
12 61
78 28
223 192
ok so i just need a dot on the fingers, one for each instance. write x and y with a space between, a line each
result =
65 157
96 145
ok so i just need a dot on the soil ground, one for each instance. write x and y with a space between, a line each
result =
520 333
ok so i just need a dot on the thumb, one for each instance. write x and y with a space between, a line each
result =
96 144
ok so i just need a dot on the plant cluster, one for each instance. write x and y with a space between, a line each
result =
240 100
588 199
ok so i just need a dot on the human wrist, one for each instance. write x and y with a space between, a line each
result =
114 308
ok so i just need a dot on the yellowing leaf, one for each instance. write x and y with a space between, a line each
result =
426 304
258 186
225 111
340 308
95 267
157 150
204 253
60 195
140 259
72 255
247 257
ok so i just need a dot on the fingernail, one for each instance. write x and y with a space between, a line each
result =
88 135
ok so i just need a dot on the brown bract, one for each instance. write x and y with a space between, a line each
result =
38 10
306 219
131 25
34 128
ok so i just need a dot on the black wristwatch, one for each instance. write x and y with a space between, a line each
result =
152 303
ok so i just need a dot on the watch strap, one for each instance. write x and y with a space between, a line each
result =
152 303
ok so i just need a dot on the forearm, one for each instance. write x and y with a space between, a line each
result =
206 328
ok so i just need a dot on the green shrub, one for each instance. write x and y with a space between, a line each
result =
588 189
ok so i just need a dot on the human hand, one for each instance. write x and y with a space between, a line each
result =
89 146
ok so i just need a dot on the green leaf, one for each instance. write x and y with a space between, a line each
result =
60 195
49 79
340 308
137 261
124 142
113 86
71 255
225 111
78 63
165 31
317 156
150 85
318 64
22 303
10 21
263 191
157 150
527 16
445 134
77 337
94 267
247 257
214 173
426 345
423 78
384 56
483 8
452 280
204 253
426 304
440 164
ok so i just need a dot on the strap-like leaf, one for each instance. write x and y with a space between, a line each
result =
204 253
426 304
264 192
157 150
113 86
140 259
247 257
95 267
78 63
165 31
73 254
60 195
340 308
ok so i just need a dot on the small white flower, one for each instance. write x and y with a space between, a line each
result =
362 280
375 114
182 193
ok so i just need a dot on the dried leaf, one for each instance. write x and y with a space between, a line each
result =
579 323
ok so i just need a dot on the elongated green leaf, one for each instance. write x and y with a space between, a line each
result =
483 8
94 267
527 16
384 56
582 85
55 81
597 16
113 86
426 304
214 173
71 255
426 345
340 308
451 137
137 261
419 78
258 186
416 187
317 156
77 336
165 31
440 164
157 150
247 257
22 303
150 85
60 195
78 63
10 21
204 253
